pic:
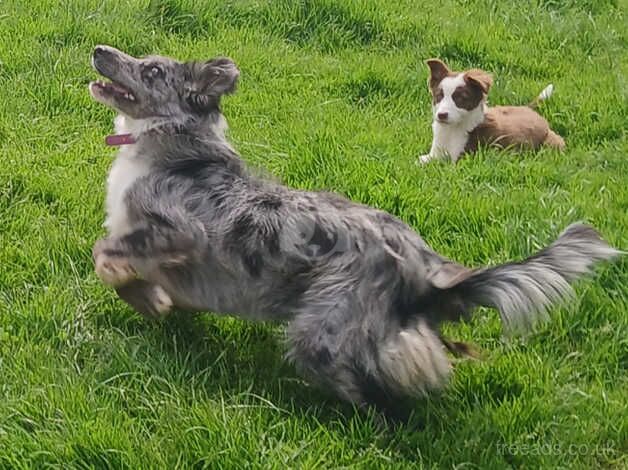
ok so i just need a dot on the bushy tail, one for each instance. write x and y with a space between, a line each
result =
414 361
523 291
547 92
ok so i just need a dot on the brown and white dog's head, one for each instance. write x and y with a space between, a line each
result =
456 95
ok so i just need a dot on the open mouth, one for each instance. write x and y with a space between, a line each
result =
100 89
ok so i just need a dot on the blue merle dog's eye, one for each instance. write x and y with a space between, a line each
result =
152 72
155 72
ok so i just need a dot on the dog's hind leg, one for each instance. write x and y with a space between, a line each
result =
384 366
333 343
327 344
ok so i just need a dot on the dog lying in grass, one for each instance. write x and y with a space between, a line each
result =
462 120
362 294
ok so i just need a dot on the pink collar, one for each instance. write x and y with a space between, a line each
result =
120 139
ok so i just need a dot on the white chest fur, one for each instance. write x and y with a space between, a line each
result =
450 140
127 168
130 165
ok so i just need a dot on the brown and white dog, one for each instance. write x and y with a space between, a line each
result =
463 120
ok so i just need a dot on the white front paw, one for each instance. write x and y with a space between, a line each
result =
423 159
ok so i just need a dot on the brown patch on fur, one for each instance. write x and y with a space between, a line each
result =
513 126
554 140
477 84
467 97
480 79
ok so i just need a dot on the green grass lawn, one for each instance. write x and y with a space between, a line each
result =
332 96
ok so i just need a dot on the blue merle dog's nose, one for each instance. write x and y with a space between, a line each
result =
102 51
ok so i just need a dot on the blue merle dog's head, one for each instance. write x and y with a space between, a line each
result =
160 87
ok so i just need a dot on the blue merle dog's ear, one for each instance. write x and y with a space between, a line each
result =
208 81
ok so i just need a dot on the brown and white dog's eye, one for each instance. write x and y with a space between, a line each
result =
464 92
466 97
438 96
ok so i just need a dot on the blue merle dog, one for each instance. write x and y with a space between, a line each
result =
362 294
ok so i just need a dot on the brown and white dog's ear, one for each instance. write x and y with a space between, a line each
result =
210 80
438 71
479 78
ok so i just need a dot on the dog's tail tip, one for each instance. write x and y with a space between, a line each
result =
546 94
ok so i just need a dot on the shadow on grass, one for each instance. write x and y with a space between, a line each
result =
235 360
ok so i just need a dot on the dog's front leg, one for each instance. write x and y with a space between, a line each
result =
436 153
455 156
112 264
423 159
145 250
440 154
149 299
114 268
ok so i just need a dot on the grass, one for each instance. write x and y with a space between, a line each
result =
333 96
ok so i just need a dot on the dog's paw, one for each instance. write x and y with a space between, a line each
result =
162 303
101 247
423 159
113 271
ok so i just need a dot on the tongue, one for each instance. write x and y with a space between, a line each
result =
111 86
118 88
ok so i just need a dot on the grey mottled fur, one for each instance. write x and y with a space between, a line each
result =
363 295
